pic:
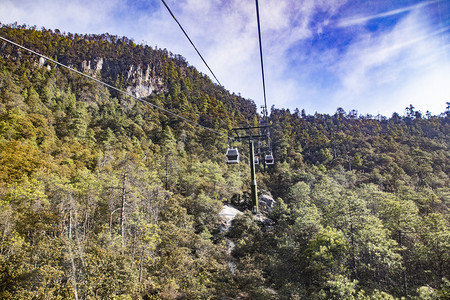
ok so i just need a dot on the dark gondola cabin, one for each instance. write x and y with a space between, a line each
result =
269 159
232 156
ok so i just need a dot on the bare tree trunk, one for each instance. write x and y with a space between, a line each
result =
140 265
404 283
73 277
167 172
69 234
353 252
122 211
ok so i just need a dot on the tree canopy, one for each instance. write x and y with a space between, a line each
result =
105 197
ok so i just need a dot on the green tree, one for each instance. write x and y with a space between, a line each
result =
327 253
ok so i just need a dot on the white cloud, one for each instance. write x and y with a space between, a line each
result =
390 71
75 16
360 20
375 72
226 34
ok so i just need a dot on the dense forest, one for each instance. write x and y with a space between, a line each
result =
105 197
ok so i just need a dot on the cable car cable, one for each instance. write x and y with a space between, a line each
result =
269 157
198 52
116 89
192 43
261 56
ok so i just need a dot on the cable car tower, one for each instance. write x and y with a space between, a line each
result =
260 133
250 134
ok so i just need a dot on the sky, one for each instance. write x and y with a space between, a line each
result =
373 56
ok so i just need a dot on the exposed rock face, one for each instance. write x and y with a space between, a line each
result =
140 81
42 63
266 202
97 62
227 214
143 84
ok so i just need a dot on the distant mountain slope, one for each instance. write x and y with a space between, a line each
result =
138 69
412 150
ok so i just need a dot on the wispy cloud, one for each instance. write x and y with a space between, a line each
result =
359 20
76 16
314 58
393 70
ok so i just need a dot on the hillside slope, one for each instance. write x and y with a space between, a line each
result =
105 197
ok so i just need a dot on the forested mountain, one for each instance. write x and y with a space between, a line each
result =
105 197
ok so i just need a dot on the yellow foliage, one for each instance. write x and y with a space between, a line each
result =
18 159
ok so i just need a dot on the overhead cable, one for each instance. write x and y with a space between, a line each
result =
116 89
198 52
261 55
192 43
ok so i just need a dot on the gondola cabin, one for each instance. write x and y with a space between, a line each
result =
232 156
256 161
269 159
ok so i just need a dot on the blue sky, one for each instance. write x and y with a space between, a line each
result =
377 57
